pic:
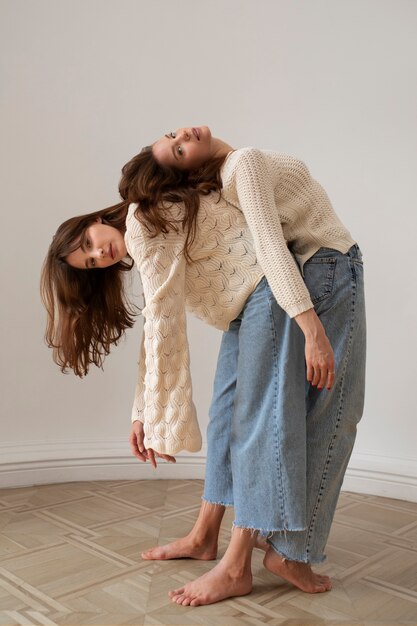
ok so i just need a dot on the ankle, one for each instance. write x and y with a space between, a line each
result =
237 571
204 536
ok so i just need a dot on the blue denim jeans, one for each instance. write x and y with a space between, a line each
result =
278 447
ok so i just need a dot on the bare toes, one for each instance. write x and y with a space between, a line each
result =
184 600
176 592
177 599
187 601
321 585
147 554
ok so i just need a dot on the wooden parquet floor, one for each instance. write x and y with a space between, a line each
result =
70 554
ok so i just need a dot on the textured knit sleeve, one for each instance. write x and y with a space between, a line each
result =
164 393
249 182
138 404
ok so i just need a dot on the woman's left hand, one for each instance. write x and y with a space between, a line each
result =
152 453
138 447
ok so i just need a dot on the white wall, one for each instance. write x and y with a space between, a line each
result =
85 84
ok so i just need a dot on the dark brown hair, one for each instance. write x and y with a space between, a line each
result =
156 188
87 309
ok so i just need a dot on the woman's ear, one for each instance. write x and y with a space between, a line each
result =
98 219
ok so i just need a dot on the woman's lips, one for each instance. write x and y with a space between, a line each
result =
111 252
196 133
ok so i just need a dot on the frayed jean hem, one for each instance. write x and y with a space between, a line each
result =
299 559
216 503
267 532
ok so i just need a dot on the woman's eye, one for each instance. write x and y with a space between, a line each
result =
173 135
92 263
180 151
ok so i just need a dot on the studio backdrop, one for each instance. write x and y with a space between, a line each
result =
84 85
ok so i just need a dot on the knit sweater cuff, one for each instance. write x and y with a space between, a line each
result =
171 446
136 415
300 307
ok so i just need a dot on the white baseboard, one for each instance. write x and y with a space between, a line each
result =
389 477
39 463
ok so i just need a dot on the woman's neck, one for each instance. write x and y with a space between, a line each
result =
220 148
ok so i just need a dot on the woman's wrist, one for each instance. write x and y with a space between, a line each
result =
310 324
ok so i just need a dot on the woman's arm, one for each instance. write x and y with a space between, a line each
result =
137 435
164 402
254 188
139 402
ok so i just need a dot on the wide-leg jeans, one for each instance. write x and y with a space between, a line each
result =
278 447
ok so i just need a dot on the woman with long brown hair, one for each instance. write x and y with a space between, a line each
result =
249 242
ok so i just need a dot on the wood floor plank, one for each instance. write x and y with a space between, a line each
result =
70 555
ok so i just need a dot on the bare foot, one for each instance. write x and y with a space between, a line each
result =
184 548
299 574
216 585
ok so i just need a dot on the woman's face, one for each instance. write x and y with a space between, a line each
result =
185 148
101 245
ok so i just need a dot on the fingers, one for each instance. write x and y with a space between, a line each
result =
330 379
316 375
141 447
321 375
320 362
167 457
138 429
136 442
139 454
151 457
138 450
310 372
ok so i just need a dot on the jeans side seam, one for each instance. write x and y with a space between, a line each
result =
338 419
276 433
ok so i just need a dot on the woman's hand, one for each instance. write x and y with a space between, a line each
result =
138 448
318 351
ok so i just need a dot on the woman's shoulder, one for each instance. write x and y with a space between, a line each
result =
238 159
173 211
138 236
133 226
240 154
141 239
251 159
134 236
251 155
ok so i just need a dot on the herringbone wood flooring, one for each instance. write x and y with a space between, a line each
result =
70 554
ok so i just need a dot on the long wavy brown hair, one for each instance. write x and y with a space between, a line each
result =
88 309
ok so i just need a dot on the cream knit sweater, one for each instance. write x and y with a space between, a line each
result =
271 211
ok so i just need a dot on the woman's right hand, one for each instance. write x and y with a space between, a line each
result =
320 361
318 351
138 447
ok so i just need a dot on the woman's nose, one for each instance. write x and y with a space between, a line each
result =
184 135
